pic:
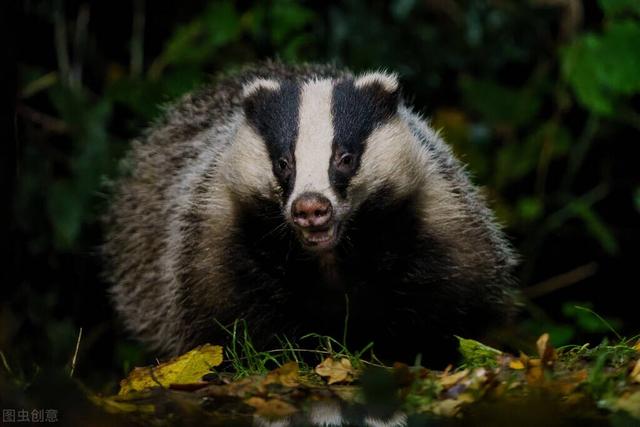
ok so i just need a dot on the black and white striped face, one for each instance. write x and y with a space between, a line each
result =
320 137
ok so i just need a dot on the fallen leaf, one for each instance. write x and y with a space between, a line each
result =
568 385
534 374
186 369
534 362
112 405
450 380
516 364
271 408
545 350
451 407
287 375
629 403
336 370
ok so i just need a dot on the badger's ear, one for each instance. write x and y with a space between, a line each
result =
258 85
385 81
382 89
257 95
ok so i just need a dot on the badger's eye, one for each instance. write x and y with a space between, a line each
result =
346 162
283 164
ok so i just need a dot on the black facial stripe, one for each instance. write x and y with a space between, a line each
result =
356 113
274 116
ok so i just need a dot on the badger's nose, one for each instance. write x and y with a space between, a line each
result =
311 210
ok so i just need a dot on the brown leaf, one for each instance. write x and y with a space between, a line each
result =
449 380
336 370
535 374
569 384
534 362
402 374
287 375
545 350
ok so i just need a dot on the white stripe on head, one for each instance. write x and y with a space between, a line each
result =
315 139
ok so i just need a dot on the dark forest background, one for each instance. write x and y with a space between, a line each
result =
539 97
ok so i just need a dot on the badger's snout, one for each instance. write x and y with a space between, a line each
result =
312 214
311 210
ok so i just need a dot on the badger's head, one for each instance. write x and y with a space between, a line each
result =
320 148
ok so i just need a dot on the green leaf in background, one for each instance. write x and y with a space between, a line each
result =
556 135
620 57
602 67
596 227
288 17
401 9
286 22
66 211
636 199
529 208
197 41
145 97
582 314
560 334
615 7
500 104
517 159
71 196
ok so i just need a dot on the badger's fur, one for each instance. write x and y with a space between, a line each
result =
280 190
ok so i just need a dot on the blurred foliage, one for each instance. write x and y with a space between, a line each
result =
532 95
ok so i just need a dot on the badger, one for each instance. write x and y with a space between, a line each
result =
303 199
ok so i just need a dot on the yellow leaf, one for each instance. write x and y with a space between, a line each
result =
449 380
287 375
534 362
186 369
336 370
637 346
114 406
516 364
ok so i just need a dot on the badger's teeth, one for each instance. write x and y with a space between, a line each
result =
319 236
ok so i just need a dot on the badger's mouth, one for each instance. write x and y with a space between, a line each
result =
320 238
